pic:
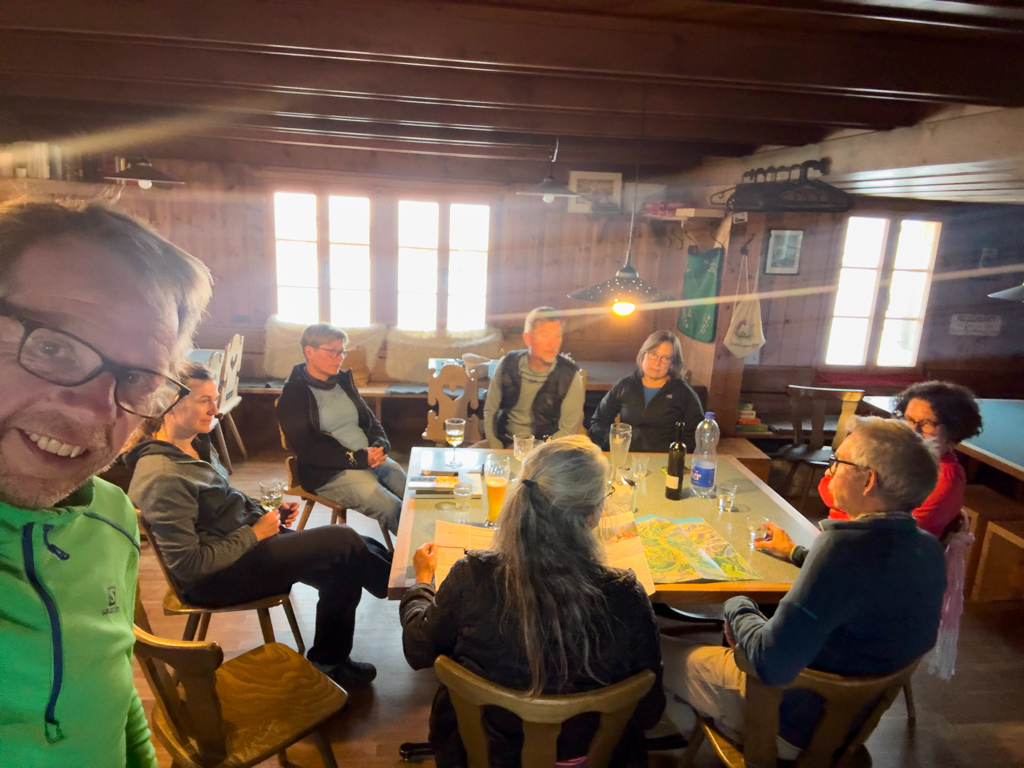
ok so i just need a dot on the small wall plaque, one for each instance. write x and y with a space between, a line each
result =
975 325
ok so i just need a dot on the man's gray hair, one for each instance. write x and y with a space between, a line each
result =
905 464
542 315
164 268
318 334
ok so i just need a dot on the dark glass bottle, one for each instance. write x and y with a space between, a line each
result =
676 466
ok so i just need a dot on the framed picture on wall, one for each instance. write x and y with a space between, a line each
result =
598 192
783 256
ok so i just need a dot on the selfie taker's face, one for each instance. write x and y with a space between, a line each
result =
53 438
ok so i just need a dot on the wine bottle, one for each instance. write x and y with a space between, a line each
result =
676 466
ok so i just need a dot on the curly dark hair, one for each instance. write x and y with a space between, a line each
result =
954 404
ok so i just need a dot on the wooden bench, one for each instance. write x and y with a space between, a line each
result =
984 506
1001 570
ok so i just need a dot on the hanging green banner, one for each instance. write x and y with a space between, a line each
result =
698 321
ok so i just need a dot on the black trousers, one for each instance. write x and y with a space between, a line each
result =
334 559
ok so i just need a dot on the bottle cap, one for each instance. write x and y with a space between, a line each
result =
709 415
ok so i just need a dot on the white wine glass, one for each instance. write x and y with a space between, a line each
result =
271 494
522 444
454 433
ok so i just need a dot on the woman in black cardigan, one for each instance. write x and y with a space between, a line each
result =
651 400
539 613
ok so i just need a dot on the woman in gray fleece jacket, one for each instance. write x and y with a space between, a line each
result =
222 549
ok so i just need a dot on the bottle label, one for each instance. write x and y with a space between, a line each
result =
671 481
703 475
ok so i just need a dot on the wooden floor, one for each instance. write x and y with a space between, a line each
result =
977 719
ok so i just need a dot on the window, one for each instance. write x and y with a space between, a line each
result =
299 263
864 265
427 267
421 253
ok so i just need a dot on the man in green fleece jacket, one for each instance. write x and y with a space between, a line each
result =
95 311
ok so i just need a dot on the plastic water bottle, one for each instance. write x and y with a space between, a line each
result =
705 458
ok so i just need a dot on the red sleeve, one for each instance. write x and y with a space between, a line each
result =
825 491
943 504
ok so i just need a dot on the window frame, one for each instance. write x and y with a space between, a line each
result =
886 268
384 196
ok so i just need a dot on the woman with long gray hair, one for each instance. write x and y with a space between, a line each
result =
540 613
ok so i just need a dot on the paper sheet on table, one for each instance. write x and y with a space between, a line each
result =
452 540
623 547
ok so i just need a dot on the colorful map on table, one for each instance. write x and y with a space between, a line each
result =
690 550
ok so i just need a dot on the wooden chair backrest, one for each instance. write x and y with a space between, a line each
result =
194 721
291 465
845 699
229 371
542 716
817 398
452 377
160 559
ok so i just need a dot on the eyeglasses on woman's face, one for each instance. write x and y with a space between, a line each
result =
57 357
656 358
924 427
334 354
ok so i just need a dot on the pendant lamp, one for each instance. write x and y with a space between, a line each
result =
626 289
549 189
1010 294
140 171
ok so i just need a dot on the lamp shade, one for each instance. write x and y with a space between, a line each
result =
141 171
1010 294
626 286
549 188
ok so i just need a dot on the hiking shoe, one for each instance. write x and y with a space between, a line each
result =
353 674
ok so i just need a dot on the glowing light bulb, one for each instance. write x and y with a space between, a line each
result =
145 183
548 198
622 307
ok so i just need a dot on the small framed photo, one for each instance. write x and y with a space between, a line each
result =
783 256
598 192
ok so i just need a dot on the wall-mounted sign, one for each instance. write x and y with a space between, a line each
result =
975 325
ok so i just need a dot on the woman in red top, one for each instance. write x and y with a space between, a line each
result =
944 413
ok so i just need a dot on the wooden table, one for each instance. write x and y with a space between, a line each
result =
1001 443
753 497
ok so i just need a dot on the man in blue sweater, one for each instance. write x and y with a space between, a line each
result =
867 600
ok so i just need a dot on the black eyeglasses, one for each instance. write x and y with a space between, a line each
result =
60 358
334 354
834 462
927 426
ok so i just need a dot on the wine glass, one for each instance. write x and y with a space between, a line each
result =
618 440
496 473
271 494
455 433
522 444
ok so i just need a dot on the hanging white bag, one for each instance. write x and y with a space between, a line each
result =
745 334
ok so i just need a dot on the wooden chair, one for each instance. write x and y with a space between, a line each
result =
542 716
237 713
810 448
198 620
443 391
229 400
831 743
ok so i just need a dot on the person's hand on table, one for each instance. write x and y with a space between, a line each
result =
268 525
729 638
774 541
424 563
288 512
375 456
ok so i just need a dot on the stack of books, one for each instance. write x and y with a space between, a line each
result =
747 420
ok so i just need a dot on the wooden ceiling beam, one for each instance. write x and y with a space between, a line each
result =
320 86
493 39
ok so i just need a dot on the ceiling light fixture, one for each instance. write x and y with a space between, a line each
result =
141 172
549 189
